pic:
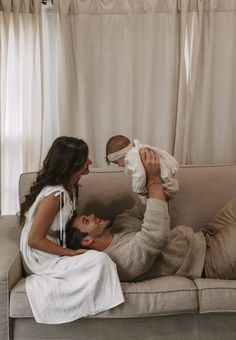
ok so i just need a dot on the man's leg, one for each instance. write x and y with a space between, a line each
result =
226 215
220 234
221 253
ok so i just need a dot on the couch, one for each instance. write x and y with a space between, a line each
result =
167 308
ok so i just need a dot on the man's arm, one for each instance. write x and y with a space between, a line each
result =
154 187
151 165
135 255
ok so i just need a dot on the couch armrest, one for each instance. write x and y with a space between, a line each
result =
10 267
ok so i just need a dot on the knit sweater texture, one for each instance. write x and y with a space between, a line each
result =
144 246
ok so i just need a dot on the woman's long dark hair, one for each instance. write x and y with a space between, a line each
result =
66 156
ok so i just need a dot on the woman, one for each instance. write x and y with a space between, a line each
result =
63 284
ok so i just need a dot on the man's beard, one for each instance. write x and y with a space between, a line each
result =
113 228
107 228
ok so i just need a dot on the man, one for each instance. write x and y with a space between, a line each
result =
143 246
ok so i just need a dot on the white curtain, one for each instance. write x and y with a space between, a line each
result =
21 95
119 70
208 123
158 70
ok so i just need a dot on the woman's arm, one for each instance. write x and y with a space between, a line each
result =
45 214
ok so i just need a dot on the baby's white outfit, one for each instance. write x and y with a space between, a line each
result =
168 167
64 288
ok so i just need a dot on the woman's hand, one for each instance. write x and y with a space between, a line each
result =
77 252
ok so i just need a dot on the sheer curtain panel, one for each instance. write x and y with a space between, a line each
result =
119 70
21 94
208 123
162 71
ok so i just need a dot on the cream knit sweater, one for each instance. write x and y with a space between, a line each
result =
144 247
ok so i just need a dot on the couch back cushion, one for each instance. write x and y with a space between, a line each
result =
203 191
104 192
107 192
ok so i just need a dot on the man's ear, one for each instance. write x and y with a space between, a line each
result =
87 241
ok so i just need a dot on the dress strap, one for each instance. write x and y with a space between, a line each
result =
62 224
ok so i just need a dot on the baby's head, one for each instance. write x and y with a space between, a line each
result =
116 149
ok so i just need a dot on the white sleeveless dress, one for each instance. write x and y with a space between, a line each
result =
64 288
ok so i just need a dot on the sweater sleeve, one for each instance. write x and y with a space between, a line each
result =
135 255
154 233
136 211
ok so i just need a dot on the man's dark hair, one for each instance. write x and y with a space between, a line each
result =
74 236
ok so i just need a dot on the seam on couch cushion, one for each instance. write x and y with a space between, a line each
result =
217 288
218 311
197 290
155 292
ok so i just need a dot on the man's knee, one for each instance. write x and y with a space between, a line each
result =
221 253
226 215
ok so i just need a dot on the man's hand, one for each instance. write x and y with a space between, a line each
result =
151 165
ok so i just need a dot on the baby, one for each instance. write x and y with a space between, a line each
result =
121 151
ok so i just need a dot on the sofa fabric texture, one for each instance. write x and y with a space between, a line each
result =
169 307
160 296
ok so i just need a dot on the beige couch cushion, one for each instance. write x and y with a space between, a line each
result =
203 191
107 192
162 296
216 295
104 192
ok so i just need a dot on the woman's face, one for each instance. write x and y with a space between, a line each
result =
85 169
